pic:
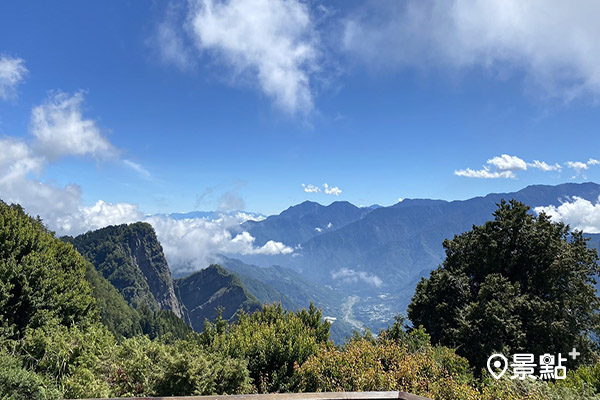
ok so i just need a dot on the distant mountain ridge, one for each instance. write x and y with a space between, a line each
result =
359 264
304 221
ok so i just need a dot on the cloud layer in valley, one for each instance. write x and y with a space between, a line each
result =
347 275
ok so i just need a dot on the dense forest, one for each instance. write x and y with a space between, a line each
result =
71 329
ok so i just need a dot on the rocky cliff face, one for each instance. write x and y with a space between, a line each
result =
213 288
132 259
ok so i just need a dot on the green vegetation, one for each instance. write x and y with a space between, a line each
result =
125 321
214 288
273 341
131 259
66 331
516 283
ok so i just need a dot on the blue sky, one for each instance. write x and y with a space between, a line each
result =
239 103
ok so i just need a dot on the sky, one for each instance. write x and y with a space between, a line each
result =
114 111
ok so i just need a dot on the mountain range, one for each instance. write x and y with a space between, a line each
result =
359 264
375 257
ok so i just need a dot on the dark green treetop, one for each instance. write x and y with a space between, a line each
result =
518 283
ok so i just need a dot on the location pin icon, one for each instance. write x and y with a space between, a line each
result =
497 362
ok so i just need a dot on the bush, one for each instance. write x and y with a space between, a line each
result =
142 367
364 365
273 341
19 383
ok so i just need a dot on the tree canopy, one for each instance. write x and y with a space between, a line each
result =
518 283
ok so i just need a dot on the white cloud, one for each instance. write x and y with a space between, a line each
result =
508 163
138 168
544 166
311 188
60 129
579 213
348 275
171 46
59 206
555 46
12 72
271 40
484 173
505 166
190 244
97 216
593 161
334 190
578 166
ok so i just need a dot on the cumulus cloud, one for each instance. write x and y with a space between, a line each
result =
544 166
60 129
273 41
311 188
12 72
579 213
580 167
325 188
59 123
190 244
505 166
484 173
348 275
556 47
508 163
334 190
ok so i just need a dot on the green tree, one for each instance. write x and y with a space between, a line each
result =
273 341
41 278
518 283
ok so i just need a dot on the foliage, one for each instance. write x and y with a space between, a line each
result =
19 383
387 364
41 278
517 283
117 252
273 341
142 367
120 318
212 288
